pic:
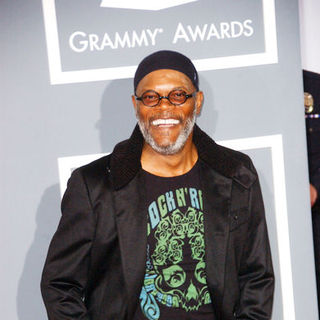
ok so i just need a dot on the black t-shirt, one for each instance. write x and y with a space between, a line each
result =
175 284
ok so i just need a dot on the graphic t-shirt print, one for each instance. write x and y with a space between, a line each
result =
175 268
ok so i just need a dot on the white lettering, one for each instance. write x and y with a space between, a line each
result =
213 32
247 26
153 35
224 29
205 32
236 29
79 41
197 32
106 42
180 34
83 43
125 41
93 41
139 40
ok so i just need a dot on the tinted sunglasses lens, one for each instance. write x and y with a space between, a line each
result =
177 97
150 98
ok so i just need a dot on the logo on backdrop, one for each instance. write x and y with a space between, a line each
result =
143 4
106 39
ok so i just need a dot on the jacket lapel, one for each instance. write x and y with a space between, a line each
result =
131 219
217 195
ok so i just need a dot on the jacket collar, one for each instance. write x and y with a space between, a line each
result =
125 159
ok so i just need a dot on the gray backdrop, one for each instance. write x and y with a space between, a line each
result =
252 92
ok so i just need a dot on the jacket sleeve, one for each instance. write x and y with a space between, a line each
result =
256 277
64 277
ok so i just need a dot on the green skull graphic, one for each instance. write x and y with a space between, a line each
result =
172 283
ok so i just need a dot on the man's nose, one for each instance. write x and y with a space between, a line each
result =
165 102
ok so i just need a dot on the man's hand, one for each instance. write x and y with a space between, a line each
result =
313 195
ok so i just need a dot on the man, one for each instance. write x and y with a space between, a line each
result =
311 85
169 226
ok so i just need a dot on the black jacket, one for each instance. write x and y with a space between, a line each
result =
96 261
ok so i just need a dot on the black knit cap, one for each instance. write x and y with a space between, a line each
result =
166 59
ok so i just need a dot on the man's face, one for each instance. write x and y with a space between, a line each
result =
167 127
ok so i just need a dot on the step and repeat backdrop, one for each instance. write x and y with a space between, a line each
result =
66 86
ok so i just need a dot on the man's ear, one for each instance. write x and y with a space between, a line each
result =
134 102
199 101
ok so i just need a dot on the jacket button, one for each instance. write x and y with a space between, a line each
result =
235 217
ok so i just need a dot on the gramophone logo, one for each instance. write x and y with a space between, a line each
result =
106 39
143 4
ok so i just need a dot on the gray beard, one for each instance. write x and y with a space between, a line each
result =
174 147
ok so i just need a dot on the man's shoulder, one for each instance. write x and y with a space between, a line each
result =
102 164
236 165
96 169
236 155
228 162
121 165
101 167
221 158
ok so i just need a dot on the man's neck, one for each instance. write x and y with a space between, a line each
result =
169 165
